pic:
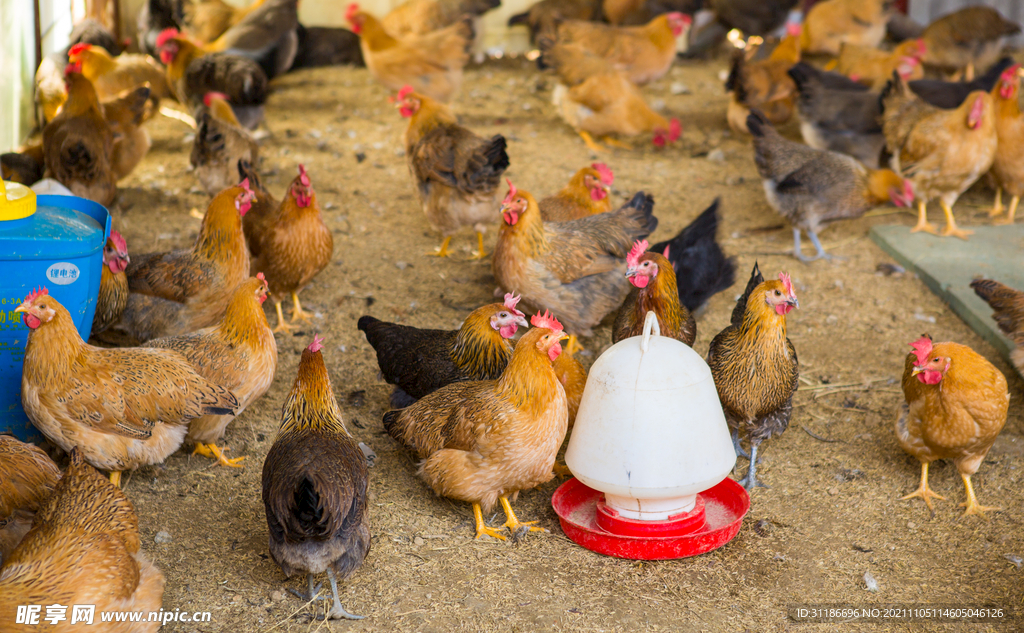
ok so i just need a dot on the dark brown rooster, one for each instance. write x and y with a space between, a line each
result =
315 485
755 365
654 288
419 361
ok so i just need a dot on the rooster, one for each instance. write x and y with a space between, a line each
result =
123 408
484 441
575 268
457 173
654 288
83 549
586 194
27 478
419 362
239 354
755 366
188 289
956 403
113 295
316 485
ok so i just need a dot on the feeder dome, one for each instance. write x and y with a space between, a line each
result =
650 432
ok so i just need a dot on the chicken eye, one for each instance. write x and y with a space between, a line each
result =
503 315
778 294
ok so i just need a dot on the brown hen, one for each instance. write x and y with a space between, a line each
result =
114 292
27 477
586 194
654 288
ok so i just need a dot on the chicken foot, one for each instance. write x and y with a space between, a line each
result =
737 446
338 612
750 481
573 345
591 144
212 451
951 228
973 507
1014 201
442 250
513 523
997 206
282 326
115 478
798 251
923 490
311 591
479 253
297 311
481 527
922 220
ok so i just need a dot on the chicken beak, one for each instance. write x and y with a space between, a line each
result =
21 308
917 370
562 337
631 273
522 322
793 302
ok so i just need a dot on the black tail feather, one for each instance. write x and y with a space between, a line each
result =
391 421
741 305
756 122
702 268
644 203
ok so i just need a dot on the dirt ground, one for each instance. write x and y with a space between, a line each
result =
832 513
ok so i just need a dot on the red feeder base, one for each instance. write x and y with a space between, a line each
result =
712 523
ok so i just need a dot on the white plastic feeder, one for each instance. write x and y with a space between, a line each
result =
650 433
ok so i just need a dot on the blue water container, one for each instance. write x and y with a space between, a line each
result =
54 242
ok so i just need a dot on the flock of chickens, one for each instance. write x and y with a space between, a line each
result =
486 413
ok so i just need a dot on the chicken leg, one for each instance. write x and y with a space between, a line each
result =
922 220
951 227
750 481
311 591
213 451
923 490
281 325
338 612
798 249
997 206
481 527
573 345
297 311
1014 201
442 250
115 478
479 253
513 523
591 144
973 507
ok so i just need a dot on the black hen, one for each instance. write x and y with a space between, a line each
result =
752 17
240 78
950 94
327 46
315 485
155 16
20 168
701 267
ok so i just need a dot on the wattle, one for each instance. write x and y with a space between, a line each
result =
930 377
598 194
406 111
554 351
783 309
508 331
510 217
31 321
640 281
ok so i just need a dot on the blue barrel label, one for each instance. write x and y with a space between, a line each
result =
62 273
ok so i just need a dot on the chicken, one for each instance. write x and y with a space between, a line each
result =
643 53
220 143
634 12
576 268
292 246
430 63
316 485
419 17
419 361
942 152
185 290
49 78
457 173
543 17
483 441
1008 164
21 168
571 373
950 94
956 403
838 114
586 194
755 366
751 17
27 478
84 549
192 73
124 115
155 17
654 289
764 84
122 407
206 20
327 46
239 354
1008 306
267 35
113 295
970 38
873 67
78 144
832 23
262 213
596 99
813 187
111 76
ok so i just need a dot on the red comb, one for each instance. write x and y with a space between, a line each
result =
639 248
352 10
35 294
78 49
261 277
211 95
511 300
922 349
317 344
1009 73
793 29
787 284
675 130
303 176
245 185
73 69
165 35
405 91
607 177
512 191
118 241
546 321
